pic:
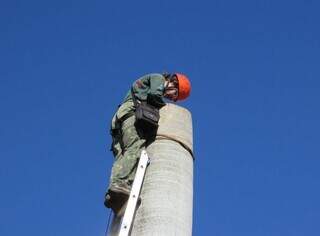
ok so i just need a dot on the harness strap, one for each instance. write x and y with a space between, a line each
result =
126 116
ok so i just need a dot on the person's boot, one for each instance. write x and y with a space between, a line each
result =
116 197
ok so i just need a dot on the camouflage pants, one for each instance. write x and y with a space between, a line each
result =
126 146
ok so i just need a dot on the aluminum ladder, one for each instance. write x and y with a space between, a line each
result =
130 211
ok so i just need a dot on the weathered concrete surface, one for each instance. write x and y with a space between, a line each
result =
167 192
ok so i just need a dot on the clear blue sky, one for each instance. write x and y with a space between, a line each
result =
254 66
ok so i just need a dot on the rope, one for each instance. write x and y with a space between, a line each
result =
108 223
164 136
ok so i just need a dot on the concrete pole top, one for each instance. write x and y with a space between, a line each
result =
176 124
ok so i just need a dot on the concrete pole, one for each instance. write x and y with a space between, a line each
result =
167 192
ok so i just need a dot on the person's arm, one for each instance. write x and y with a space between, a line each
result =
156 91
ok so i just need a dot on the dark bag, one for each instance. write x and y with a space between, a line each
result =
147 116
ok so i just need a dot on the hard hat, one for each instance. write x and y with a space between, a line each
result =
184 86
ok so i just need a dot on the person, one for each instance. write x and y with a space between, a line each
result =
128 140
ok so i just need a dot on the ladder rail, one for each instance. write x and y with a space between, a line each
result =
129 214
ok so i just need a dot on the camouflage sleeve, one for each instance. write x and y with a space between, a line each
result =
156 91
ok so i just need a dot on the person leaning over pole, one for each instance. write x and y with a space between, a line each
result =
134 126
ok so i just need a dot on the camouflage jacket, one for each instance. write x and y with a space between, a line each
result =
149 88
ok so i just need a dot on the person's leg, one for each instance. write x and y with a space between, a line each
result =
114 197
116 149
132 145
117 153
127 148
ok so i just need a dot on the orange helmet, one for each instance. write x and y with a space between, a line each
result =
184 86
